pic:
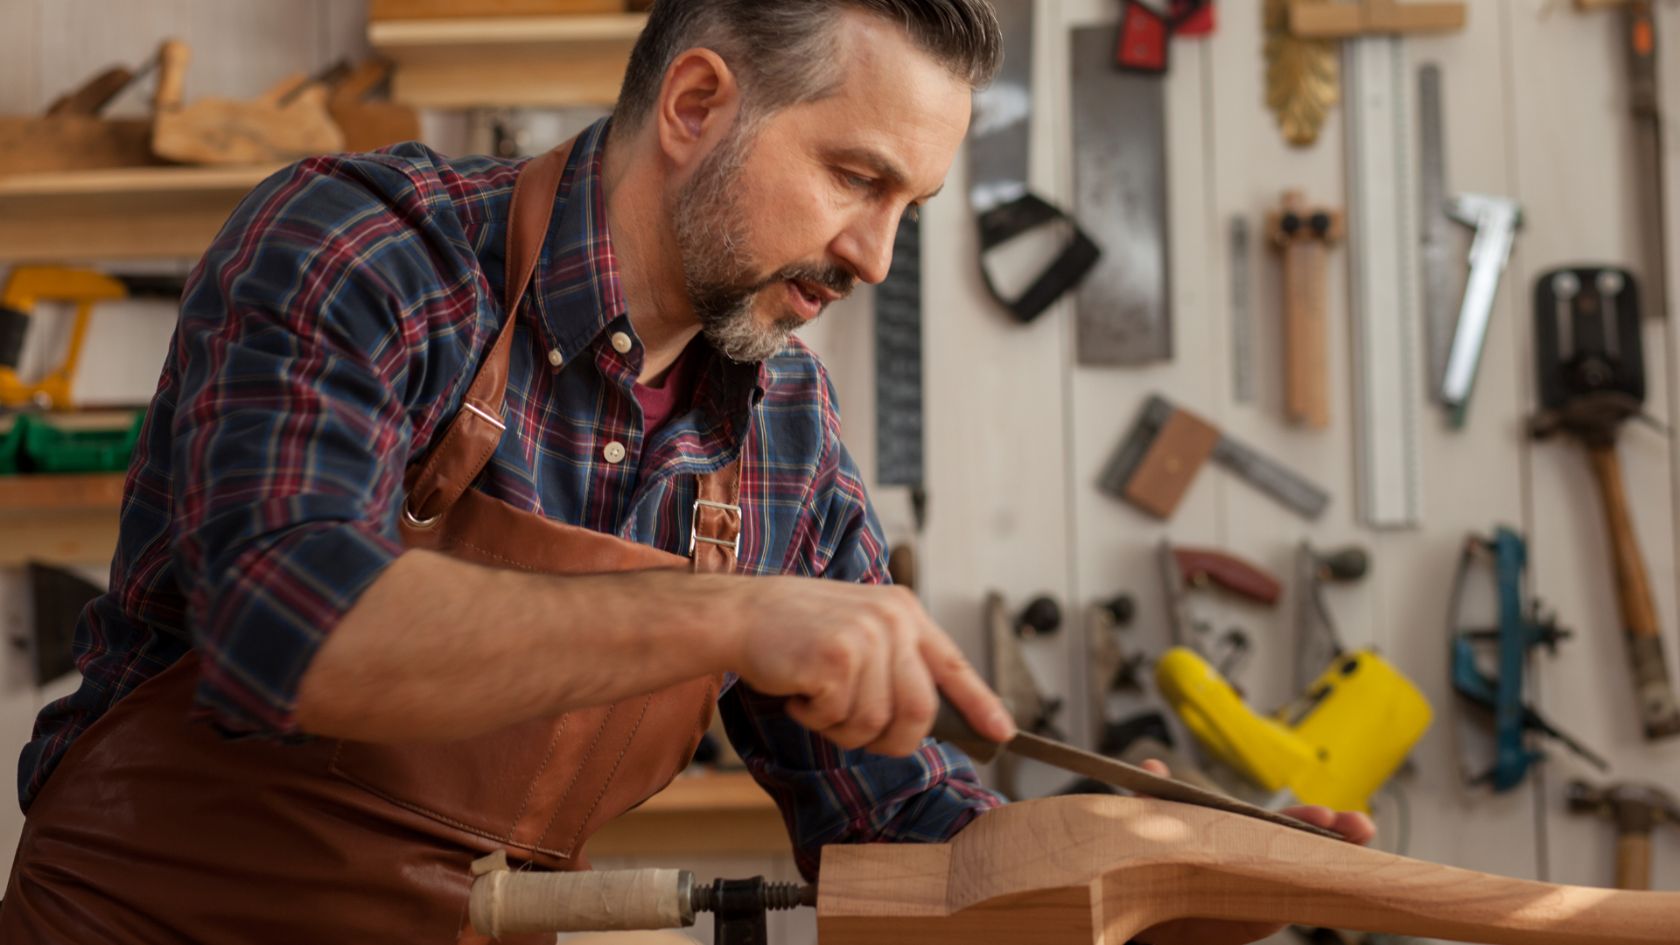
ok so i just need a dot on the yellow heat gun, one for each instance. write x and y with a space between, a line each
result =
29 286
1335 746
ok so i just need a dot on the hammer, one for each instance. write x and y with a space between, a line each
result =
1637 809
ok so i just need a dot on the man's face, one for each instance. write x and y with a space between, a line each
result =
781 219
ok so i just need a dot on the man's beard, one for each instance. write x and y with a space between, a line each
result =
719 273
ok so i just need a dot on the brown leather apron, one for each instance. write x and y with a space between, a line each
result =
154 830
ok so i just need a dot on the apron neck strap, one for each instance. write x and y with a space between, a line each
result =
473 434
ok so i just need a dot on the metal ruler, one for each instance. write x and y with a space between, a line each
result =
1382 225
1242 313
1120 170
899 441
1440 304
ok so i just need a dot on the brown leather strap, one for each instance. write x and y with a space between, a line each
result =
473 434
717 521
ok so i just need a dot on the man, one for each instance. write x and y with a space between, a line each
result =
433 448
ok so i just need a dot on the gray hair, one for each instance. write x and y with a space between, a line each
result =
782 50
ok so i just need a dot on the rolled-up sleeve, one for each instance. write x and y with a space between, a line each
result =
290 431
828 795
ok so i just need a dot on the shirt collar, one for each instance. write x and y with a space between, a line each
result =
581 294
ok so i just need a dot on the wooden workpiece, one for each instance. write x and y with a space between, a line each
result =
1304 234
288 121
1090 869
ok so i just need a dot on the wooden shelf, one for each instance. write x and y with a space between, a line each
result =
717 814
156 212
59 519
547 61
100 492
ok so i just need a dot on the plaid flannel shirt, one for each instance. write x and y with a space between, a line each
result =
325 340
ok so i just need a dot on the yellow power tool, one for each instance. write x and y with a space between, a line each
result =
28 287
1335 746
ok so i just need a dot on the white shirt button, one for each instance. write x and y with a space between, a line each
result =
621 342
614 453
555 358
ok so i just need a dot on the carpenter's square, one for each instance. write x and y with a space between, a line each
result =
951 727
1167 446
1496 221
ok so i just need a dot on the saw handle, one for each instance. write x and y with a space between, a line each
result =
1657 706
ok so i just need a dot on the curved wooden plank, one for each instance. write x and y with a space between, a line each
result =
1085 869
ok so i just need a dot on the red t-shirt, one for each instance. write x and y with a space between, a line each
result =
673 394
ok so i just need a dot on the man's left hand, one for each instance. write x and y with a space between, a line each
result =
1354 827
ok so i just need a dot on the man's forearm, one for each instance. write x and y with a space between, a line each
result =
439 648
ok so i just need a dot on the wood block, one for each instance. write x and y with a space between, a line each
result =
1079 870
1167 470
442 9
370 124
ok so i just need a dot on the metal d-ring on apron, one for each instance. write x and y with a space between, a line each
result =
997 157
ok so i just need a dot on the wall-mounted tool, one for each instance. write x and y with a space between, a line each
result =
1012 678
1336 745
1522 628
1111 667
1645 105
1496 221
1242 311
1383 279
29 286
1590 365
1167 446
509 902
1435 256
1184 569
1637 810
997 158
1304 235
287 122
1147 27
1124 313
1301 77
900 439
1317 643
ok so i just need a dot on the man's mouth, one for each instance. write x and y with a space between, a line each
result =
808 300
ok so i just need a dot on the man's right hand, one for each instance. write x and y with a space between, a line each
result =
862 665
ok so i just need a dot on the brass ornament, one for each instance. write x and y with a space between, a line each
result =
1303 78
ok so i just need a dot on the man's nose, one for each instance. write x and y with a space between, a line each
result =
867 248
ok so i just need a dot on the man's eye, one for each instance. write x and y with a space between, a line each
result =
858 183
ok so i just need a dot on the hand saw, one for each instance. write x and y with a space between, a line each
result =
950 726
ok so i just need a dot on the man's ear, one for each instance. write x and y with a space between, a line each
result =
698 103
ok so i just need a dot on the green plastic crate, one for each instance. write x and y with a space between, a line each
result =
48 448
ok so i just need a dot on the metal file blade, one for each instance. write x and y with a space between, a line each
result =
950 727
